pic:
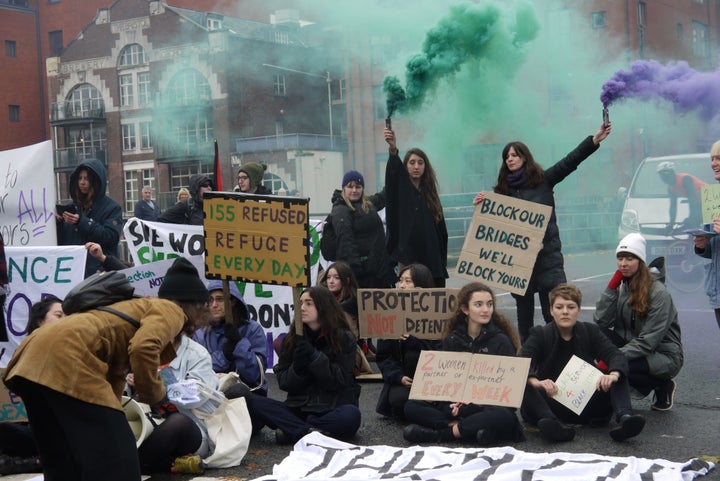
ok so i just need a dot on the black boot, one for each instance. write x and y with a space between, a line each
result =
17 465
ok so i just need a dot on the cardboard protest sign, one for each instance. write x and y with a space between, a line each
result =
470 378
388 313
12 408
257 238
502 242
27 196
710 195
576 384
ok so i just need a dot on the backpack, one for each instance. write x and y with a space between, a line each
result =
100 289
328 240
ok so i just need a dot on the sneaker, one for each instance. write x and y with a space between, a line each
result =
629 425
664 396
420 434
282 438
486 437
555 431
188 465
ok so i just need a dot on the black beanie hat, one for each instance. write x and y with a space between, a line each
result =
182 283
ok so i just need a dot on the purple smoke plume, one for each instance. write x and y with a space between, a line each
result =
686 88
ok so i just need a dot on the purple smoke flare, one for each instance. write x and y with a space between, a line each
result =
687 89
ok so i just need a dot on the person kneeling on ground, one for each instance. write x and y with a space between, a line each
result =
550 347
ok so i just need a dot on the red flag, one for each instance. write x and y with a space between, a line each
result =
217 169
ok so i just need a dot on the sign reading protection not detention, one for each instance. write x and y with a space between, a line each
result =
257 238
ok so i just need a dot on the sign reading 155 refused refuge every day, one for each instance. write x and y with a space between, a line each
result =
257 238
502 242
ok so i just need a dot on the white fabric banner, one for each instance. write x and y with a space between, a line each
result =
319 457
27 196
271 306
35 272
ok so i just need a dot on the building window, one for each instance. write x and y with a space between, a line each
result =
188 87
128 136
342 86
282 37
180 176
84 101
279 85
279 128
214 23
55 38
14 113
10 48
145 138
598 20
53 1
700 39
143 84
679 32
133 55
126 91
642 14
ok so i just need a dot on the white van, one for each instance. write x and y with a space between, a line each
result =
646 210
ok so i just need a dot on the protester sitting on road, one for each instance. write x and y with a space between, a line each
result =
398 358
93 215
478 328
71 375
708 246
637 313
549 348
316 370
182 434
190 211
238 346
18 453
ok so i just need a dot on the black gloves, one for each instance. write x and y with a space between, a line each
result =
232 337
304 354
163 408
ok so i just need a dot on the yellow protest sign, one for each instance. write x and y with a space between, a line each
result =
254 238
471 378
502 242
710 203
388 313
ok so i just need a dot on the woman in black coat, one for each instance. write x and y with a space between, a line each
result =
417 233
360 232
523 178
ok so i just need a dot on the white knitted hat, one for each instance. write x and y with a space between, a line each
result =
634 244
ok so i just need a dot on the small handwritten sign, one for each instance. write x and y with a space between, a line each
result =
12 408
470 378
257 238
710 202
576 384
502 242
388 313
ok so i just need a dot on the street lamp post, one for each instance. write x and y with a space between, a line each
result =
328 79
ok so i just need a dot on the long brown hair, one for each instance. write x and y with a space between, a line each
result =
428 184
463 300
533 176
640 286
331 318
347 277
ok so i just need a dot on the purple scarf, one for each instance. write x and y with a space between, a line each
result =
517 178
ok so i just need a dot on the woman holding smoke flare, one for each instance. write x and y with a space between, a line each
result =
415 222
398 358
523 178
478 328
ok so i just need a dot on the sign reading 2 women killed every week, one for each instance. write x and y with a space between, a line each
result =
470 378
257 238
503 241
389 313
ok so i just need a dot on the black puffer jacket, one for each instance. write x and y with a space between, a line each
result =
549 269
330 381
189 211
361 240
492 340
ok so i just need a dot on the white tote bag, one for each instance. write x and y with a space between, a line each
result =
229 427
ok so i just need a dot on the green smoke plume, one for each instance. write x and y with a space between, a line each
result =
464 35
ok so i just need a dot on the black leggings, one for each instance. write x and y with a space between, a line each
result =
78 441
639 375
177 436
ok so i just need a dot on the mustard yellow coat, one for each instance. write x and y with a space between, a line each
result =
87 355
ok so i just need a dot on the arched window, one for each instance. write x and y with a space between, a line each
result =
132 55
187 87
85 101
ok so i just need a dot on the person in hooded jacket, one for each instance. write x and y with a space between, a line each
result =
249 179
95 217
190 211
523 178
360 232
240 346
